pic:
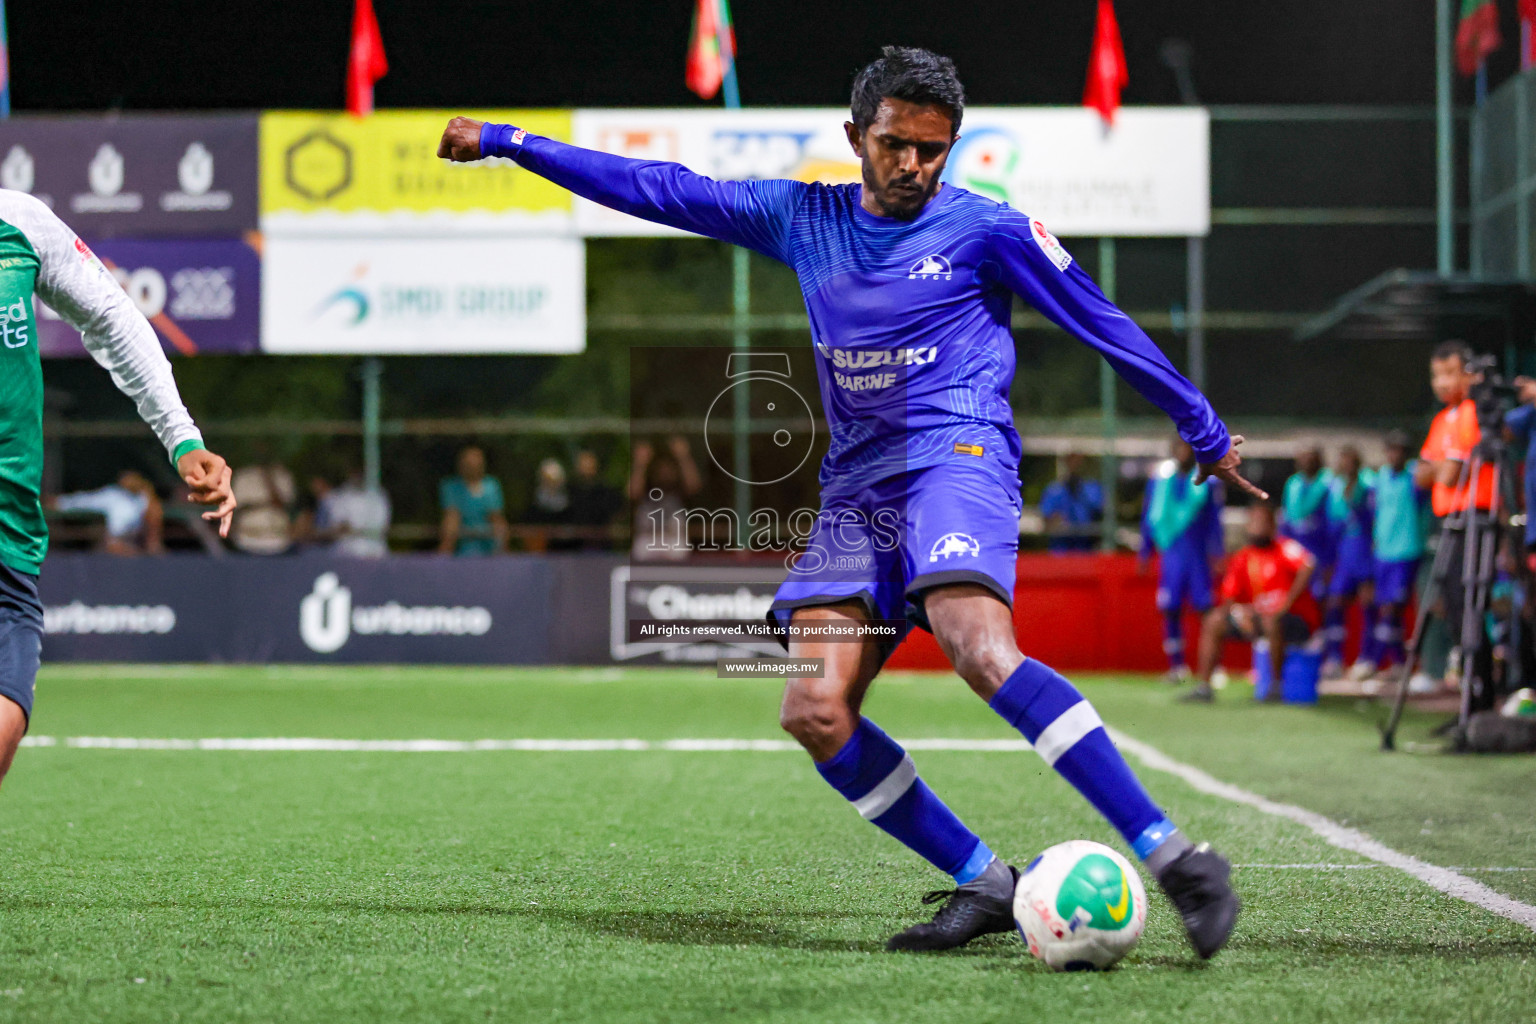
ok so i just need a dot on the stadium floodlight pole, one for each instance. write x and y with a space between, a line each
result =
1445 176
741 301
1109 469
372 374
1195 309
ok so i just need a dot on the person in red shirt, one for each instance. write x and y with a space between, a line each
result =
1264 594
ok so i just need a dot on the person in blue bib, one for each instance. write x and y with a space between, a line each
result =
1073 507
1397 545
1348 513
1181 522
1304 512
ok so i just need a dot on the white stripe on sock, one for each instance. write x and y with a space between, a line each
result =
1070 726
891 788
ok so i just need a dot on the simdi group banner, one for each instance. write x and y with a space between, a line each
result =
327 174
1147 175
423 296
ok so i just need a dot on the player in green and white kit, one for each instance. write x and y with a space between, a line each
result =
40 255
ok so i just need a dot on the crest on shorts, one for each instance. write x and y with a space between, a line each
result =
954 544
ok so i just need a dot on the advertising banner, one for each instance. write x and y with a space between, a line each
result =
1148 175
300 609
429 296
137 174
331 174
201 295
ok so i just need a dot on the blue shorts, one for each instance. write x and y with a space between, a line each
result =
1183 580
1353 568
21 636
883 545
1395 580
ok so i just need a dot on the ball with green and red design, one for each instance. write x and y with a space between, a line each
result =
1080 906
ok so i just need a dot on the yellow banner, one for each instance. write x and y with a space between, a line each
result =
325 172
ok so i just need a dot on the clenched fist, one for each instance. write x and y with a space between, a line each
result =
461 140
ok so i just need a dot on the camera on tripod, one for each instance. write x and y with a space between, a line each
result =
1495 397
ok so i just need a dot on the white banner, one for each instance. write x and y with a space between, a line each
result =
1148 175
397 296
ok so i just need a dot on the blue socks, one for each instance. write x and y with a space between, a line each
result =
875 775
878 778
1173 639
1066 731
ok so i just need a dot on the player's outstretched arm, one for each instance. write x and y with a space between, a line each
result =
73 282
1030 262
754 214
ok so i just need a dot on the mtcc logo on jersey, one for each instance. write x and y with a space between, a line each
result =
956 544
933 267
13 325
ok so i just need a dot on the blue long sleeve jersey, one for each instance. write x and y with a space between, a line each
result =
910 318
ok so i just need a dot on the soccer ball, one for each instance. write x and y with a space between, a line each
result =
1080 906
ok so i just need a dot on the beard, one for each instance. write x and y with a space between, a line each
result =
895 201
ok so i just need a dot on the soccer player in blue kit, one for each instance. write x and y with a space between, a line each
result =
909 284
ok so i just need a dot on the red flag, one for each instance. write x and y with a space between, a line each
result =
1477 34
706 57
365 62
1107 73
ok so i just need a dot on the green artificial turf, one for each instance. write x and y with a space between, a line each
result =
680 886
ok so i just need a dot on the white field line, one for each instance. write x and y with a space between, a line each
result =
280 743
1443 879
1446 880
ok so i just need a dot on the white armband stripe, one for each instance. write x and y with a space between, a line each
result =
1063 734
890 789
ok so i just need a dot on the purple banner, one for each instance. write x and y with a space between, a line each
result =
137 175
201 295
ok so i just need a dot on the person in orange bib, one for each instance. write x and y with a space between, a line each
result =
1445 467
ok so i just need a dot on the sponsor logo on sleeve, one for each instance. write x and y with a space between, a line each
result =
1049 245
518 136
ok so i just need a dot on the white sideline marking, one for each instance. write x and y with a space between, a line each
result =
1324 866
299 743
1443 879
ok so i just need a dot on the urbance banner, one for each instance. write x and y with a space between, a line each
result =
137 175
311 608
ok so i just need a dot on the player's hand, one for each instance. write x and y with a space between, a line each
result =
207 477
461 140
1226 471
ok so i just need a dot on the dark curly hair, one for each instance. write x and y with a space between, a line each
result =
912 74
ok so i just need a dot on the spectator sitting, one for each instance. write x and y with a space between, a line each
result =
594 504
1071 506
1264 595
133 513
474 512
354 518
263 524
310 525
